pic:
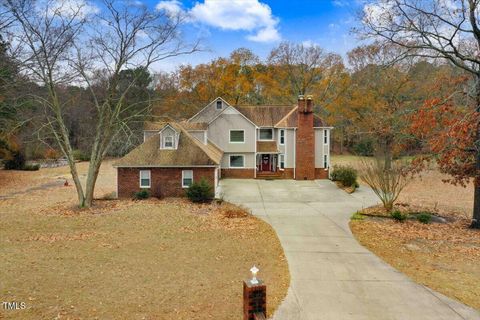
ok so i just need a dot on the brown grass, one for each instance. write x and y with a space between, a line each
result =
444 257
428 190
152 259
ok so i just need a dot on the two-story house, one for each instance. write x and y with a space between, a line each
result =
225 141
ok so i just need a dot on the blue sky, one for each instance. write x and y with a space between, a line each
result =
260 25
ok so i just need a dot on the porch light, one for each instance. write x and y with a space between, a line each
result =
254 271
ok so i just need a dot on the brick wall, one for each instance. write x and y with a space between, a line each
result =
286 173
238 173
305 142
321 173
165 182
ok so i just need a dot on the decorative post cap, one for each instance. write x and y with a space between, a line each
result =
254 271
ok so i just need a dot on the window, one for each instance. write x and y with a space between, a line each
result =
325 161
168 142
237 161
219 104
237 136
187 178
281 161
266 134
325 136
144 178
282 137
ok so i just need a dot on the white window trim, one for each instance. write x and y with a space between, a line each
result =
230 136
183 177
259 136
280 137
165 140
230 161
281 156
325 137
149 179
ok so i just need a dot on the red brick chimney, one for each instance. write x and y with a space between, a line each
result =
305 140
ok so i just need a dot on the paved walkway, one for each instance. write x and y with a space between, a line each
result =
332 275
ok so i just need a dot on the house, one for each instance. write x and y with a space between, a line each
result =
225 141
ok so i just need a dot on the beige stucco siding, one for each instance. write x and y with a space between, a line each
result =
200 135
219 133
249 159
289 148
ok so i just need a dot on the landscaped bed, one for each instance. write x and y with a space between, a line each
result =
127 259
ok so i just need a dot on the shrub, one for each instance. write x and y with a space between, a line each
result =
397 215
142 194
31 167
200 192
346 175
364 148
387 183
16 162
80 155
424 217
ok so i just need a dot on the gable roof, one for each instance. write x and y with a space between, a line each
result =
207 114
190 152
291 118
265 116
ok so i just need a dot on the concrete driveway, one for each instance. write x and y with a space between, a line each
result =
332 275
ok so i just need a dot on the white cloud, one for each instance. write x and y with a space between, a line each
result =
68 8
268 34
247 15
172 7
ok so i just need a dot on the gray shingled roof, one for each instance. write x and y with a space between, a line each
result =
265 116
190 152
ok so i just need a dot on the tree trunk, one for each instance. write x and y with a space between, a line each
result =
476 197
388 153
342 137
93 170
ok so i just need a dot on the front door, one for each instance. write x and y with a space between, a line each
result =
265 162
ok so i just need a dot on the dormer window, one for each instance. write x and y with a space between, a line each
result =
219 104
168 142
169 138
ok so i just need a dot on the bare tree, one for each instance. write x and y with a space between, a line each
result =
435 29
303 66
87 46
386 183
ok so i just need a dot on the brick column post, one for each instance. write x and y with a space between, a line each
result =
254 299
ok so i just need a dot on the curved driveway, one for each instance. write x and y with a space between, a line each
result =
332 275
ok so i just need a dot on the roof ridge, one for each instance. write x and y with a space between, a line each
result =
287 115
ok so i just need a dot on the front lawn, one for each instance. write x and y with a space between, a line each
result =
152 259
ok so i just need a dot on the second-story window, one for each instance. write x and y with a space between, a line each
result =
237 136
266 134
281 137
219 104
325 136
